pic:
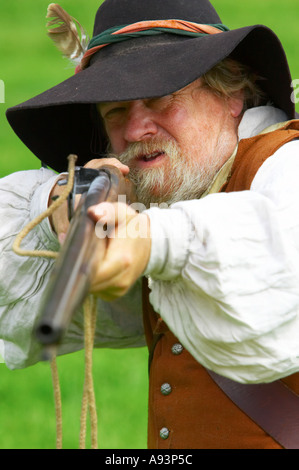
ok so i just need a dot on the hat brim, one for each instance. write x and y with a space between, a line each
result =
60 120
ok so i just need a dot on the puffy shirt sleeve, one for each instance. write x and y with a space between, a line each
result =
224 274
23 196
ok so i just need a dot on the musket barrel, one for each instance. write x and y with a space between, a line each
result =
71 275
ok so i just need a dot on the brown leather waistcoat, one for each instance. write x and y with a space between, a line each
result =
187 410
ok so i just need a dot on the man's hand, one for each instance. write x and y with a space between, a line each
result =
127 250
59 219
124 239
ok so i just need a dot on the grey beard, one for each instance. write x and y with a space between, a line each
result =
185 185
186 179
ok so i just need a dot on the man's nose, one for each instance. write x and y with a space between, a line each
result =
140 123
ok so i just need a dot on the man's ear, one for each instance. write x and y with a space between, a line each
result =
236 103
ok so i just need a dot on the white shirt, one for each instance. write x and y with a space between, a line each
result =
224 271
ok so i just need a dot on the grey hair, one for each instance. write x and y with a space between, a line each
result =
229 77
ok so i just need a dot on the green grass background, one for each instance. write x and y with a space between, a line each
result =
29 64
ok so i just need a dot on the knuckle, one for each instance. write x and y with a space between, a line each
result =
92 163
127 260
113 160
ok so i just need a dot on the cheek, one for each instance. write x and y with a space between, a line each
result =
180 125
117 144
200 137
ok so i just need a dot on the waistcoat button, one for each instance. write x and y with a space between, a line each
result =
166 389
164 433
177 349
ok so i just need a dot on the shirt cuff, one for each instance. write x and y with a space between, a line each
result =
39 204
170 234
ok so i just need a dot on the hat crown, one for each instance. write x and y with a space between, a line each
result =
119 12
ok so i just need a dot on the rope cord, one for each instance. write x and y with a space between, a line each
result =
88 392
57 400
90 312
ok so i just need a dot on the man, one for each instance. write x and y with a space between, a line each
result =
202 125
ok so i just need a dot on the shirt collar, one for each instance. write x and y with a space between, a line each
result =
255 120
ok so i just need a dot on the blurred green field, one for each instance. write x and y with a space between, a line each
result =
29 64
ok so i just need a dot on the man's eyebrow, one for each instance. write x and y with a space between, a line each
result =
105 104
102 105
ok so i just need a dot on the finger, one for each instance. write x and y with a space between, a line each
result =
61 237
110 213
102 212
114 284
97 163
124 261
114 265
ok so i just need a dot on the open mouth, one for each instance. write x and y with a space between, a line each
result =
151 156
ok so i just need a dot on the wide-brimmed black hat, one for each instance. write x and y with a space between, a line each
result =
63 120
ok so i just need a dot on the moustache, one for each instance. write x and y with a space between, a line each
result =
149 149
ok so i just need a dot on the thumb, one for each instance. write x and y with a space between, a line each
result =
110 213
61 237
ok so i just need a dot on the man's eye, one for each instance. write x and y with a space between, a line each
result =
160 103
114 112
